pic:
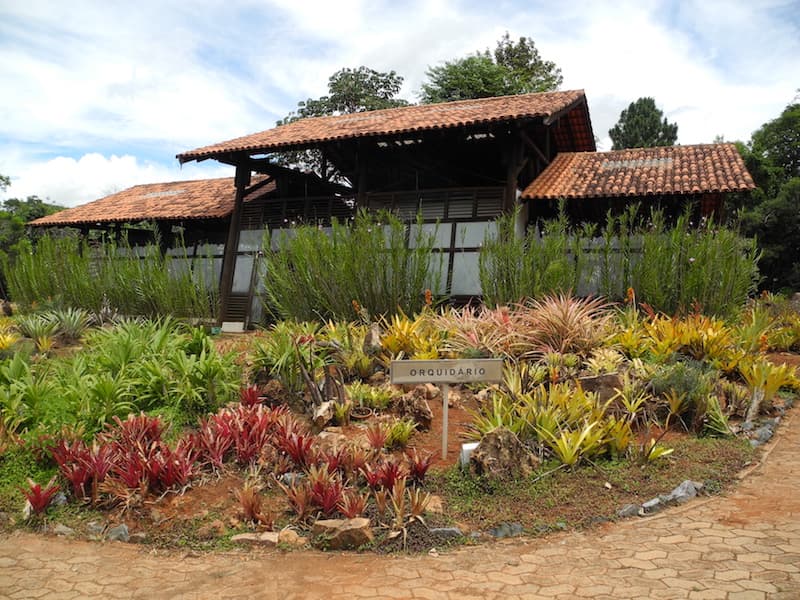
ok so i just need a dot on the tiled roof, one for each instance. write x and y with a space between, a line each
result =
177 200
643 172
390 121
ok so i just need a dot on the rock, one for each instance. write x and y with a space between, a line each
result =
651 506
60 499
323 414
268 539
431 391
747 426
140 537
291 478
683 493
629 510
95 528
344 534
27 510
291 538
605 386
212 530
501 455
60 529
118 534
763 434
435 506
415 405
446 533
377 378
505 530
372 341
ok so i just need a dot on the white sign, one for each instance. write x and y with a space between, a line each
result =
463 370
447 371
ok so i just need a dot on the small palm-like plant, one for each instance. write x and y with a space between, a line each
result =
40 497
570 446
353 503
400 432
764 379
71 323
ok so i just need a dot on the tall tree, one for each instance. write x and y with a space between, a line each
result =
349 91
513 68
643 125
352 91
14 214
772 213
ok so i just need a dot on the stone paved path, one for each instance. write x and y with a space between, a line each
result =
740 547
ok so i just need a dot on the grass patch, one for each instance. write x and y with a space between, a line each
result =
580 497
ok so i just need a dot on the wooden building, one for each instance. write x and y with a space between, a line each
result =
458 164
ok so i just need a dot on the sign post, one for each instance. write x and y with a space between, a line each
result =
446 372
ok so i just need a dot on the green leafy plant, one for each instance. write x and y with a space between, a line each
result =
400 432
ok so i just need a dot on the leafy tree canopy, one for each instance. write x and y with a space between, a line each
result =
14 214
513 68
771 213
777 145
351 91
643 125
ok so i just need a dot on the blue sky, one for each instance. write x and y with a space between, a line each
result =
99 96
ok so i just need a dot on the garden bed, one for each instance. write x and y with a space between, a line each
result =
608 408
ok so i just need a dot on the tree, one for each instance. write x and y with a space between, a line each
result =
513 68
777 144
772 213
14 214
352 91
349 91
643 125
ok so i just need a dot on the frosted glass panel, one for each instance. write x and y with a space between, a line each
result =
241 276
442 234
250 239
472 235
466 280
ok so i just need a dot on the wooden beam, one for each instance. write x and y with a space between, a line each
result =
532 145
242 180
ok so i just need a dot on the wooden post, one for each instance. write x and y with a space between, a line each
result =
242 180
445 394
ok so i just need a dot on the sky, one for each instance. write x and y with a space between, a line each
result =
97 96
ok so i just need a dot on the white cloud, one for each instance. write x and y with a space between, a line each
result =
141 85
71 182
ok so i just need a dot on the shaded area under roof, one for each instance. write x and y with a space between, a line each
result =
173 201
548 106
669 170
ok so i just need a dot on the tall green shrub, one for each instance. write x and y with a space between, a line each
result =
376 261
67 272
670 267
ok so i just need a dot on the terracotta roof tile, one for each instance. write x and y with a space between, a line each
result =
643 172
305 132
177 200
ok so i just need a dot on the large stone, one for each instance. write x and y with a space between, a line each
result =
629 510
372 341
291 538
268 539
500 455
344 534
683 493
415 406
323 414
118 534
605 386
60 529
